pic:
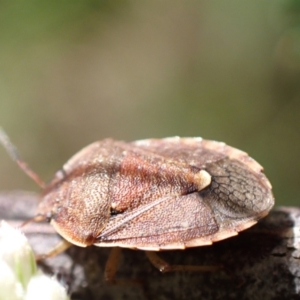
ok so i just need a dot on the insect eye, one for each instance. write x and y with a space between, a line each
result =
49 216
60 174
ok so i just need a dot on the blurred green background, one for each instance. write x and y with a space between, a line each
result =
72 72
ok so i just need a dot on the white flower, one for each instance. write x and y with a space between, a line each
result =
10 287
19 278
46 288
16 252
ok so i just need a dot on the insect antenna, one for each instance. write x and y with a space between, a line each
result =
37 218
13 153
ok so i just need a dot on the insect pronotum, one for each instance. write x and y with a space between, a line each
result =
152 195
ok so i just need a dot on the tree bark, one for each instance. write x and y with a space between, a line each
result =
262 262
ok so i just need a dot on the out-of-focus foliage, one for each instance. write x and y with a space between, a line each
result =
77 71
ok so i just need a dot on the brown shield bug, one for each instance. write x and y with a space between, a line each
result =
152 195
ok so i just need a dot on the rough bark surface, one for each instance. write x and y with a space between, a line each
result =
260 263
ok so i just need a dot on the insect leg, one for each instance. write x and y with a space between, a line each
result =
111 268
60 247
112 263
164 267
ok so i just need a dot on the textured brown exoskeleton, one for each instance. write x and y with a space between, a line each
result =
156 194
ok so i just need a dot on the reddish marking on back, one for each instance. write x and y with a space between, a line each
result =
141 180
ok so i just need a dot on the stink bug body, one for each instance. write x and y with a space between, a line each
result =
155 194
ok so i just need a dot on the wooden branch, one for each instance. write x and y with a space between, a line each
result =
260 263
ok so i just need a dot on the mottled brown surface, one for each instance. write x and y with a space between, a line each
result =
171 193
166 194
260 263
